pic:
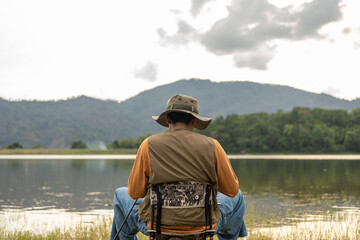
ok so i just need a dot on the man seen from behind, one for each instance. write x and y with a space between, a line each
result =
177 156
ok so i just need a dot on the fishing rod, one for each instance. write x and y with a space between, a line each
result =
123 223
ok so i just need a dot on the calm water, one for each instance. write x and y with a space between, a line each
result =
276 191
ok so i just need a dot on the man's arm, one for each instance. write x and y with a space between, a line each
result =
227 180
140 172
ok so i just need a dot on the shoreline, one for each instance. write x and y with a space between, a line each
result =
39 223
132 156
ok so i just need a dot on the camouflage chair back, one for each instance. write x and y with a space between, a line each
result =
180 195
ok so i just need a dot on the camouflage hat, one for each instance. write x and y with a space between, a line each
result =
183 103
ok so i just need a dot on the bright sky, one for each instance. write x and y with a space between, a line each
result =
115 49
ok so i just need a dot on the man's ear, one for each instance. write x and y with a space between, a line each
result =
168 120
193 121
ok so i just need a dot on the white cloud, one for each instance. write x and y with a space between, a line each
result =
252 24
356 45
147 72
254 59
197 5
52 50
346 30
332 91
185 34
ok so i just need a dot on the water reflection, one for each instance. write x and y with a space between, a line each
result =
302 178
280 192
65 184
78 164
276 191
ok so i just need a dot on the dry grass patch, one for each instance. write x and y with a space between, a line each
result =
318 230
97 231
348 229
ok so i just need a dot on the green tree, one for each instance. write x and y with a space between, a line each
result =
14 145
78 145
128 142
273 138
352 139
113 145
299 130
323 137
355 116
296 137
331 117
140 139
257 134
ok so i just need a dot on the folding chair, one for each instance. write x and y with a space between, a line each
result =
180 195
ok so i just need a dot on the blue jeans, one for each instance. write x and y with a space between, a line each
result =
231 224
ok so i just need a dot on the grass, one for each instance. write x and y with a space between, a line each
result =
97 231
348 228
66 151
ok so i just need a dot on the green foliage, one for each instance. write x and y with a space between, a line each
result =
299 130
352 139
78 145
55 124
14 145
128 142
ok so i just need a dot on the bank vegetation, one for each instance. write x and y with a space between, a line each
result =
301 130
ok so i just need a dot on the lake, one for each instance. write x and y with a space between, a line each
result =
38 194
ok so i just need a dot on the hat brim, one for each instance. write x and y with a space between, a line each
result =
201 123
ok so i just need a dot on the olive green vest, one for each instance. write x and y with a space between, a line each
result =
176 156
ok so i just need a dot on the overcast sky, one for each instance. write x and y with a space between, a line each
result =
114 49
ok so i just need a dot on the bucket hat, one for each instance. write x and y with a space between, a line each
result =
186 104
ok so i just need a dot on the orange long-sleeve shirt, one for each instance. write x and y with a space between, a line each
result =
139 176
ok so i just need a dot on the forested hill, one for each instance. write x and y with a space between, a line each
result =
55 124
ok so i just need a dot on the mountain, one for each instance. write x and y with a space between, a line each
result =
56 124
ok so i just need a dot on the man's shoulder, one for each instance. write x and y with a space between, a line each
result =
203 136
194 134
157 135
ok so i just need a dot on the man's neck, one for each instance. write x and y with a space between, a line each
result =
180 125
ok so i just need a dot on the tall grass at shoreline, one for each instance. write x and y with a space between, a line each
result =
96 231
348 229
330 230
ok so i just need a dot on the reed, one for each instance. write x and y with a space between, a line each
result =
331 230
97 231
348 228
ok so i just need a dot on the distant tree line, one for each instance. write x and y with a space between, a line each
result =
78 144
14 145
300 130
128 142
